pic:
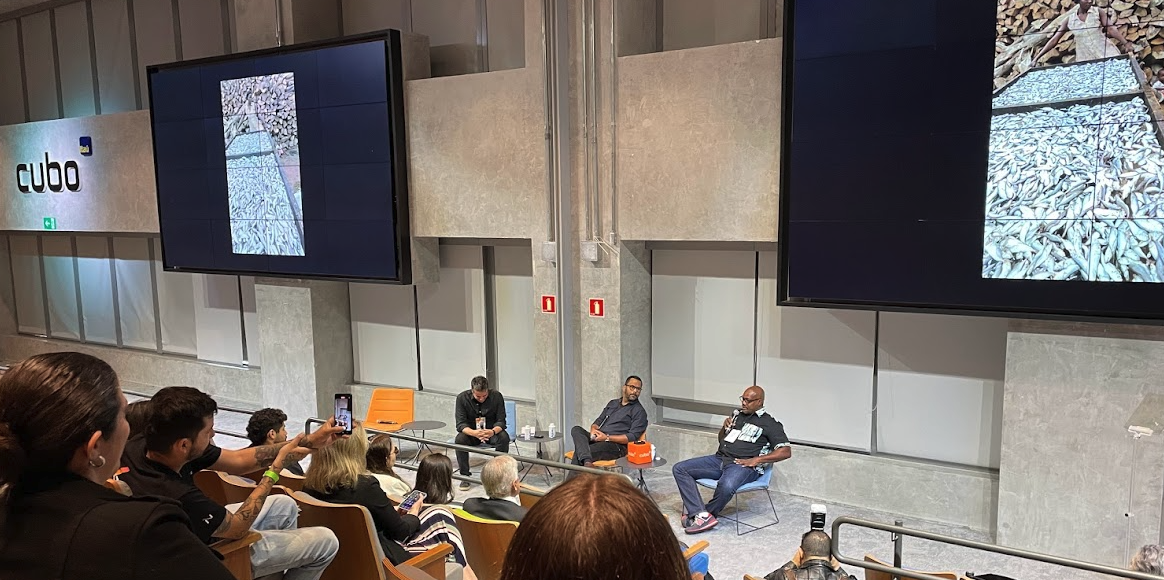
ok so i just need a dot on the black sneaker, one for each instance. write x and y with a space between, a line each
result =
464 485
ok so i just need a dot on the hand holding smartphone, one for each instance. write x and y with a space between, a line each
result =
343 412
410 500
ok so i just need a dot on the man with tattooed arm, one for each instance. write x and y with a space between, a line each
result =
176 444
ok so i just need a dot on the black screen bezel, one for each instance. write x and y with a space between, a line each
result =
397 127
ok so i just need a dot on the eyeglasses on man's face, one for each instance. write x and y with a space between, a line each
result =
748 401
634 387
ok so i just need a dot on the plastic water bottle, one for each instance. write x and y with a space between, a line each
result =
553 430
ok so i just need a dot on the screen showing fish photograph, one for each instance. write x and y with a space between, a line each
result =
1076 156
1000 157
284 162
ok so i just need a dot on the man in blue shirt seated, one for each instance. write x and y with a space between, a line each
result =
622 421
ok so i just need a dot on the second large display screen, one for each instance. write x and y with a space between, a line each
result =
1076 163
282 162
997 156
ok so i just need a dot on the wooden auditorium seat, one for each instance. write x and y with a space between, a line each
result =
878 575
360 554
486 542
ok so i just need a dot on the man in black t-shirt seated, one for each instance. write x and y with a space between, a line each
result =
480 416
269 427
749 440
177 444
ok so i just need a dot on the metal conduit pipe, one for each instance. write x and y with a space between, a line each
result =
612 237
548 103
558 68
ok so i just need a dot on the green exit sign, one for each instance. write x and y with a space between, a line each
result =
50 223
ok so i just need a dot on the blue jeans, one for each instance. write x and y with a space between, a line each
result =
303 552
710 467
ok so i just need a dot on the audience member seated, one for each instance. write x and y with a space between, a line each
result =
176 445
434 477
62 431
480 415
749 439
812 562
622 421
381 459
338 474
269 427
136 413
1149 559
499 477
594 527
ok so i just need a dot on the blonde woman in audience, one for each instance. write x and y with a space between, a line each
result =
435 478
339 474
62 432
381 460
597 527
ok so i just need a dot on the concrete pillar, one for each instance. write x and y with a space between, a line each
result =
306 345
611 347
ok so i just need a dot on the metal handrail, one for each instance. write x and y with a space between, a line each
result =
478 450
904 531
220 408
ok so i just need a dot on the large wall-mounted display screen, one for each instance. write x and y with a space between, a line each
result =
284 162
1000 156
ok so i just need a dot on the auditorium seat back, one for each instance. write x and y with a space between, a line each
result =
878 575
223 489
486 542
360 555
291 482
528 499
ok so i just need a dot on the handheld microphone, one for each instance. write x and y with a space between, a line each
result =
735 414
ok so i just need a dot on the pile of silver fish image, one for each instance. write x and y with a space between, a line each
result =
260 127
262 219
1074 188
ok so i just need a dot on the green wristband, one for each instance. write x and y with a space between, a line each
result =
271 474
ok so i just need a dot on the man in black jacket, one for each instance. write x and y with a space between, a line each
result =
499 476
481 419
622 421
812 562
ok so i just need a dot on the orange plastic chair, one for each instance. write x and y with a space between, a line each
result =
389 409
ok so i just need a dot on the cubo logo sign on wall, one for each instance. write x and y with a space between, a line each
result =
49 175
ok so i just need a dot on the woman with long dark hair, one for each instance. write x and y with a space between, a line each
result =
435 478
62 432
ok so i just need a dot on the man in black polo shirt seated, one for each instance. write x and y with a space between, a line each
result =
177 444
622 421
480 414
749 440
